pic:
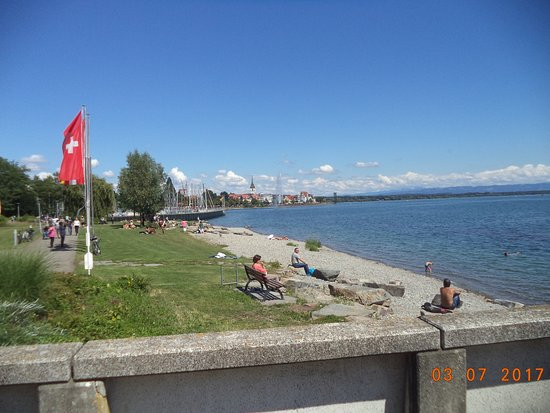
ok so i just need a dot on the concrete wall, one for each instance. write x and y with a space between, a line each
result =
512 395
374 384
380 365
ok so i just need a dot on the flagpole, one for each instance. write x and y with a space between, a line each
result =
85 119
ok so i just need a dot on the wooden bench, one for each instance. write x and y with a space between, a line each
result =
267 284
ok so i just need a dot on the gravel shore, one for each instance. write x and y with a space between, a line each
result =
418 287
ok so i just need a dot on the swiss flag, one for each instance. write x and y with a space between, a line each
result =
72 166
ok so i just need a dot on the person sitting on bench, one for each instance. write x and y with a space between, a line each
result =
450 298
259 266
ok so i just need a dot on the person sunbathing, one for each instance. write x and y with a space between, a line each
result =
450 298
297 262
148 231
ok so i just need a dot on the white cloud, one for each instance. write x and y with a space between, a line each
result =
108 174
366 164
293 181
94 163
43 175
222 171
323 169
204 176
34 159
177 175
33 162
410 180
267 178
230 179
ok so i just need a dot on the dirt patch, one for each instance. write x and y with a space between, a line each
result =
303 308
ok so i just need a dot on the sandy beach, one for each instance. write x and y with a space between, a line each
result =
419 288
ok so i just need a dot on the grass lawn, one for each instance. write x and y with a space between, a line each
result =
185 295
6 233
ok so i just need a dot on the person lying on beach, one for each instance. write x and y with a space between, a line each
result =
258 265
148 231
297 262
450 297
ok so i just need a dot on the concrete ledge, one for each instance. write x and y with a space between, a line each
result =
43 363
471 329
196 352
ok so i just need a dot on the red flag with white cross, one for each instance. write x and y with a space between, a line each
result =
72 166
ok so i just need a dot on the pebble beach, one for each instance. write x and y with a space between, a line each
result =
419 288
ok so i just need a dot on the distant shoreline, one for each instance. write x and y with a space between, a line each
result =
328 200
402 197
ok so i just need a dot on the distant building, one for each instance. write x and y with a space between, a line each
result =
252 186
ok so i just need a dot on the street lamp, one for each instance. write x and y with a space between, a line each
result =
18 216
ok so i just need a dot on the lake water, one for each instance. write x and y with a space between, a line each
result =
465 238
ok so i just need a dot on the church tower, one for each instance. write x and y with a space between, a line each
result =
252 186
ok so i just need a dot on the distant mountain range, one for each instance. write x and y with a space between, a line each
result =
545 186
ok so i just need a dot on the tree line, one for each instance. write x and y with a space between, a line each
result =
21 194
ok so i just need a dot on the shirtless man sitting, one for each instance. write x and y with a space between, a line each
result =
450 298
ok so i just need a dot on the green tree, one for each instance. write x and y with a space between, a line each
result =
15 189
141 185
104 197
49 191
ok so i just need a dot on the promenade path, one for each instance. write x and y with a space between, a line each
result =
61 259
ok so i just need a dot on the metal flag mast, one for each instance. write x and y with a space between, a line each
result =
88 258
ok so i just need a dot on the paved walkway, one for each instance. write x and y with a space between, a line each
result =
62 259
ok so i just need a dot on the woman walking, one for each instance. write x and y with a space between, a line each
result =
52 233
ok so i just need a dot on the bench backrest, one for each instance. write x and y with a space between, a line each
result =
251 272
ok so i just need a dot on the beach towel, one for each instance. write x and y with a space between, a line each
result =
434 308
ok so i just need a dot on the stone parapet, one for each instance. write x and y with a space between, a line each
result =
471 329
195 352
43 363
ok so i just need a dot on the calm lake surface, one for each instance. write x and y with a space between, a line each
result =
465 238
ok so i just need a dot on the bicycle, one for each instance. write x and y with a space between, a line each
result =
96 248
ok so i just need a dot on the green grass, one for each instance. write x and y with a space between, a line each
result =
23 276
182 295
6 234
313 244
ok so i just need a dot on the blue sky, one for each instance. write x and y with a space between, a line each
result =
345 96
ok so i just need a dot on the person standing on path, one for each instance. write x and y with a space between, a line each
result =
62 228
70 226
52 233
76 226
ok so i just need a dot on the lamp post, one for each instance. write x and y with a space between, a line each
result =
18 216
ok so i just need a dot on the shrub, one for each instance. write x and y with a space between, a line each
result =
133 283
291 244
19 324
313 244
3 220
23 277
27 218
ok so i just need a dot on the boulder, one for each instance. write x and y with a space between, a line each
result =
394 289
308 288
362 295
507 303
380 311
